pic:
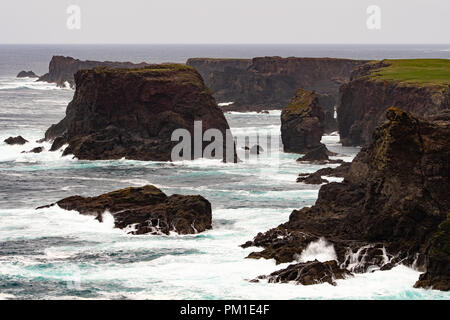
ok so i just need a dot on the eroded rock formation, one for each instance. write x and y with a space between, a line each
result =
302 123
145 210
15 140
392 205
132 113
27 74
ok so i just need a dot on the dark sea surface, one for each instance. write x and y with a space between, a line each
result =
52 253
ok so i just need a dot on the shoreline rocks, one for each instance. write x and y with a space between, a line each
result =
392 205
309 273
145 210
132 113
302 123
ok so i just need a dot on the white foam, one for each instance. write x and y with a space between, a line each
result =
320 250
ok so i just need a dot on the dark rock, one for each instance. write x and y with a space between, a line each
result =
27 74
437 275
316 177
319 154
15 140
35 150
309 273
394 196
62 69
132 113
146 210
302 123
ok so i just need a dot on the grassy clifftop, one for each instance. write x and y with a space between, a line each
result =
414 71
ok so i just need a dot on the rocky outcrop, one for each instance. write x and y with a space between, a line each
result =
271 82
15 140
27 74
417 86
145 210
302 123
132 113
316 177
319 155
62 69
309 273
392 205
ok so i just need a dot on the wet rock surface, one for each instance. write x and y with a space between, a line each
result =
145 210
132 113
15 140
393 198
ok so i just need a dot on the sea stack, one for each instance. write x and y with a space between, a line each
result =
145 210
302 123
27 74
132 113
420 86
392 207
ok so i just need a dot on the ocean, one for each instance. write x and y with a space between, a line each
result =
57 254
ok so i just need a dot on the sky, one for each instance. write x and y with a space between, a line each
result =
224 21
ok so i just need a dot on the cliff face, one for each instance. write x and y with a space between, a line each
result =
302 123
270 82
132 113
374 87
390 208
62 69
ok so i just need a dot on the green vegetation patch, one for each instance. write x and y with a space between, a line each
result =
415 71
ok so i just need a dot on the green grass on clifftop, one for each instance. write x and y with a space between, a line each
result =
415 71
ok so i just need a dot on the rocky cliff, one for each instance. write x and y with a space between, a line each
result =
62 69
145 210
270 82
302 123
420 86
132 113
392 206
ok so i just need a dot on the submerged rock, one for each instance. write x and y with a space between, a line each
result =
309 273
27 74
394 196
302 123
145 210
15 140
132 113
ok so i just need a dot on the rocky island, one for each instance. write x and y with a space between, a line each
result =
420 86
145 210
62 69
132 113
392 207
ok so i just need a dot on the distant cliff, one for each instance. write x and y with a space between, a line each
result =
271 82
62 69
132 113
421 86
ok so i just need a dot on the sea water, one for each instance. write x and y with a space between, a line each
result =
57 254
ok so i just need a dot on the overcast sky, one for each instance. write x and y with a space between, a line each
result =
225 21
